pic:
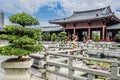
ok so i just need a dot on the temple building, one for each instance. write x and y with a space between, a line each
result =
51 29
83 23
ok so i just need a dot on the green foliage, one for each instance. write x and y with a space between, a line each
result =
102 64
96 37
53 37
24 19
13 50
17 31
46 36
118 36
23 41
62 36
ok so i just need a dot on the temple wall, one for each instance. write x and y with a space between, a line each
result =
96 24
69 26
82 25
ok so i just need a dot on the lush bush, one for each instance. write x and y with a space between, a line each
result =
102 64
22 40
118 36
62 36
46 36
96 37
53 37
24 19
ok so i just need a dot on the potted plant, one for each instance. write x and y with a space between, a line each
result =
23 41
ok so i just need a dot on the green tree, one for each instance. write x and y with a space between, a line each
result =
62 36
53 37
96 37
24 19
118 36
46 36
22 40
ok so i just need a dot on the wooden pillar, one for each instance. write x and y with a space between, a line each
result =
74 32
107 37
89 32
103 32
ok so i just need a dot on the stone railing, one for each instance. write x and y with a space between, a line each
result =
113 72
93 45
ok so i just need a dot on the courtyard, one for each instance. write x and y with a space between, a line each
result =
85 55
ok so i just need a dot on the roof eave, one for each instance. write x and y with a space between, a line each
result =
62 22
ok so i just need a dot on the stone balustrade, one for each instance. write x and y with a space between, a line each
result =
113 73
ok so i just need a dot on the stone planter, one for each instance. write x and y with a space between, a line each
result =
17 70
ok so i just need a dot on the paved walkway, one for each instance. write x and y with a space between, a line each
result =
35 72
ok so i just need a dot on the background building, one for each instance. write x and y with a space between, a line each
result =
51 29
102 21
2 20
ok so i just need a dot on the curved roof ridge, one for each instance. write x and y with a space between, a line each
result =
92 10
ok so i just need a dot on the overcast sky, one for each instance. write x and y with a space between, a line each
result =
45 10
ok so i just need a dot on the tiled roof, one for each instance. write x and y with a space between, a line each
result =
51 28
115 26
86 15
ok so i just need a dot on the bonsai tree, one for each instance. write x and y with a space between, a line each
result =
53 37
62 36
22 40
96 37
46 36
24 19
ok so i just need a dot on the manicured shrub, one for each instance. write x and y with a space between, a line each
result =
62 36
23 41
53 37
96 37
118 36
46 36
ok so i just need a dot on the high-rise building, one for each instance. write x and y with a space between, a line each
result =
2 19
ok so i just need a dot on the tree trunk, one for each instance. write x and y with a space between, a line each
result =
19 58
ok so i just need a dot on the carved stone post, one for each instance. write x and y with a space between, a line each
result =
91 77
71 71
114 71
